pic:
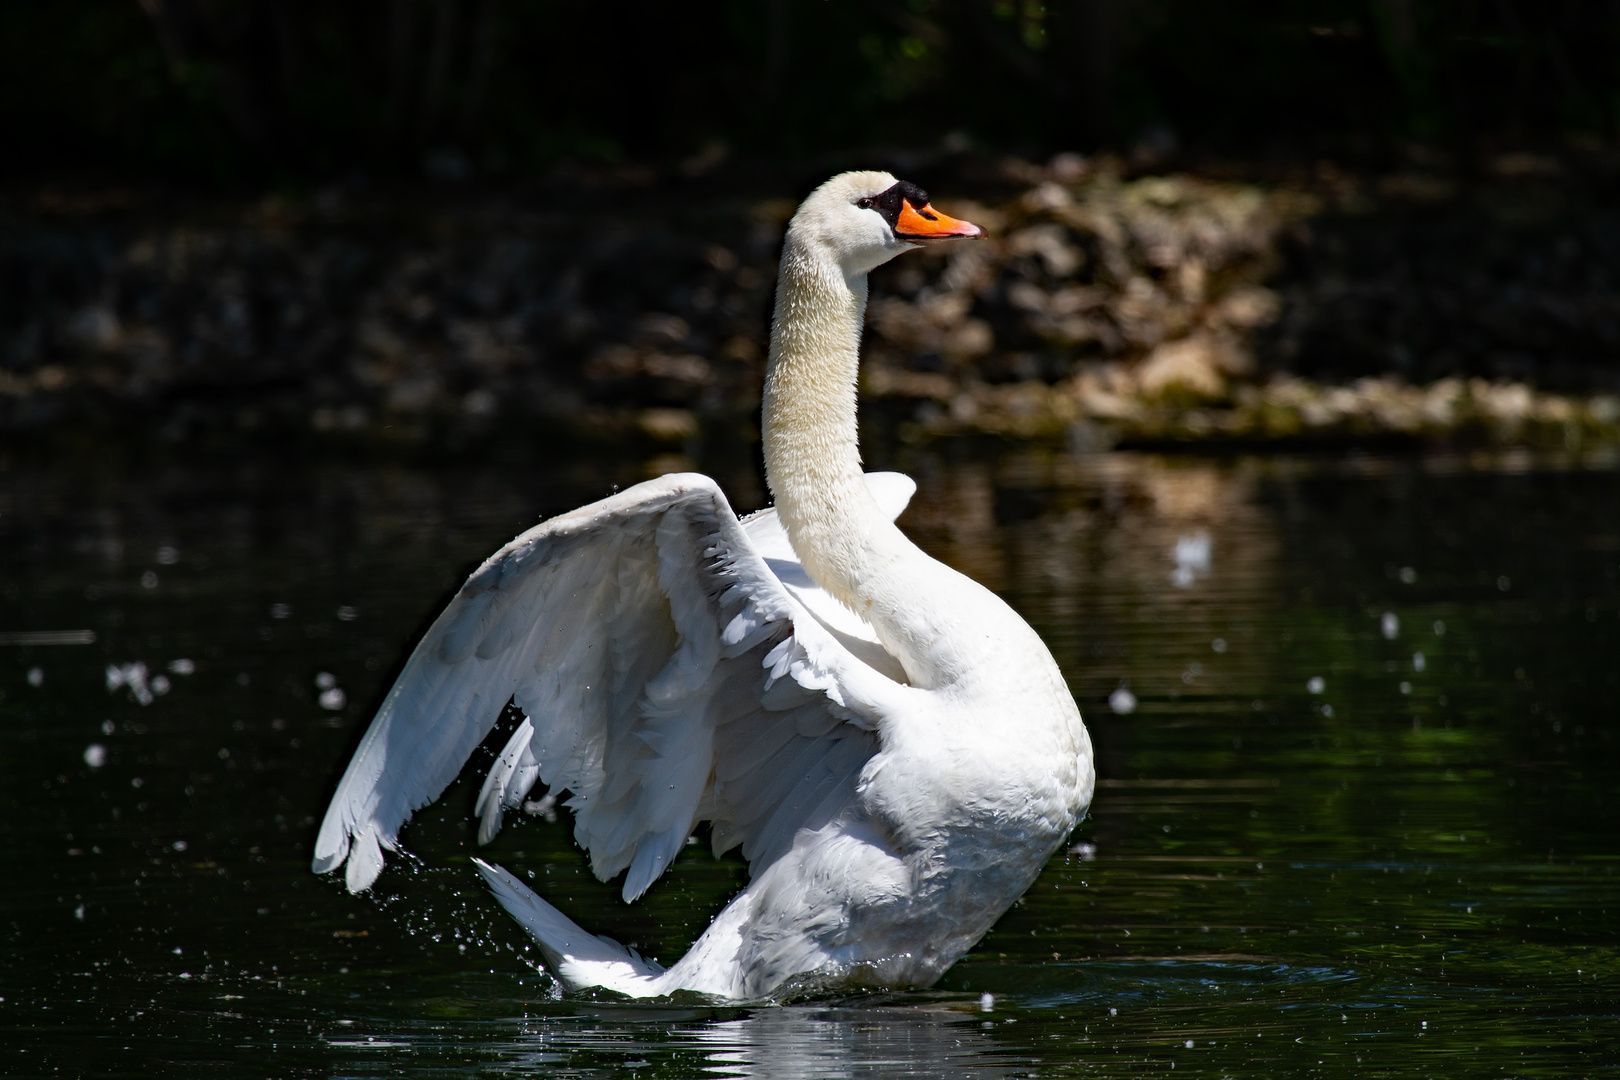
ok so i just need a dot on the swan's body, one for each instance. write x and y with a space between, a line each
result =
892 746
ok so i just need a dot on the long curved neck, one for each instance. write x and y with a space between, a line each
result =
846 543
812 456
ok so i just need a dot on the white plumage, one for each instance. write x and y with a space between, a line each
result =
893 749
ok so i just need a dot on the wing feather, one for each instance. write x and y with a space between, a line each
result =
667 675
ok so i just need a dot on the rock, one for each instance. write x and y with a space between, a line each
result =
1135 305
972 339
1249 307
668 425
94 327
1187 367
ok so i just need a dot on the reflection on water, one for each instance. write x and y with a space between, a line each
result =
868 1040
1357 742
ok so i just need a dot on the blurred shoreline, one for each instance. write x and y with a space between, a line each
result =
1117 303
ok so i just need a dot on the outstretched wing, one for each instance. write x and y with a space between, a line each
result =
674 665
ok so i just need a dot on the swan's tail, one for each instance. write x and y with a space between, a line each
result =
578 958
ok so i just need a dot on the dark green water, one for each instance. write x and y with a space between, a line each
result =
1413 872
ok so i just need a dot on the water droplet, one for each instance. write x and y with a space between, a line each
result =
1316 684
1191 556
95 755
1122 701
132 677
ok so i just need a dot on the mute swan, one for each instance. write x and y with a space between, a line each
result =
893 748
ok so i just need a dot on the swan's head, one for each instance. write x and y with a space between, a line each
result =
864 219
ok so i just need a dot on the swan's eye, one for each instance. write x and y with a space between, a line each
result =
865 204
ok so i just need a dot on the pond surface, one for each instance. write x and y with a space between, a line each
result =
1358 738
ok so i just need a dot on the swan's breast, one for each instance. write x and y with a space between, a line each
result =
1008 779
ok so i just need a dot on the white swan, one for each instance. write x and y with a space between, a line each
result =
894 749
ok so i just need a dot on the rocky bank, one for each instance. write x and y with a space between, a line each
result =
1109 306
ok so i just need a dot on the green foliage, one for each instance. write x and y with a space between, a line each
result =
242 88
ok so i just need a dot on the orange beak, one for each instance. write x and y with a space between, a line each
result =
929 224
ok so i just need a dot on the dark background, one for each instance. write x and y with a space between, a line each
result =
280 219
248 92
